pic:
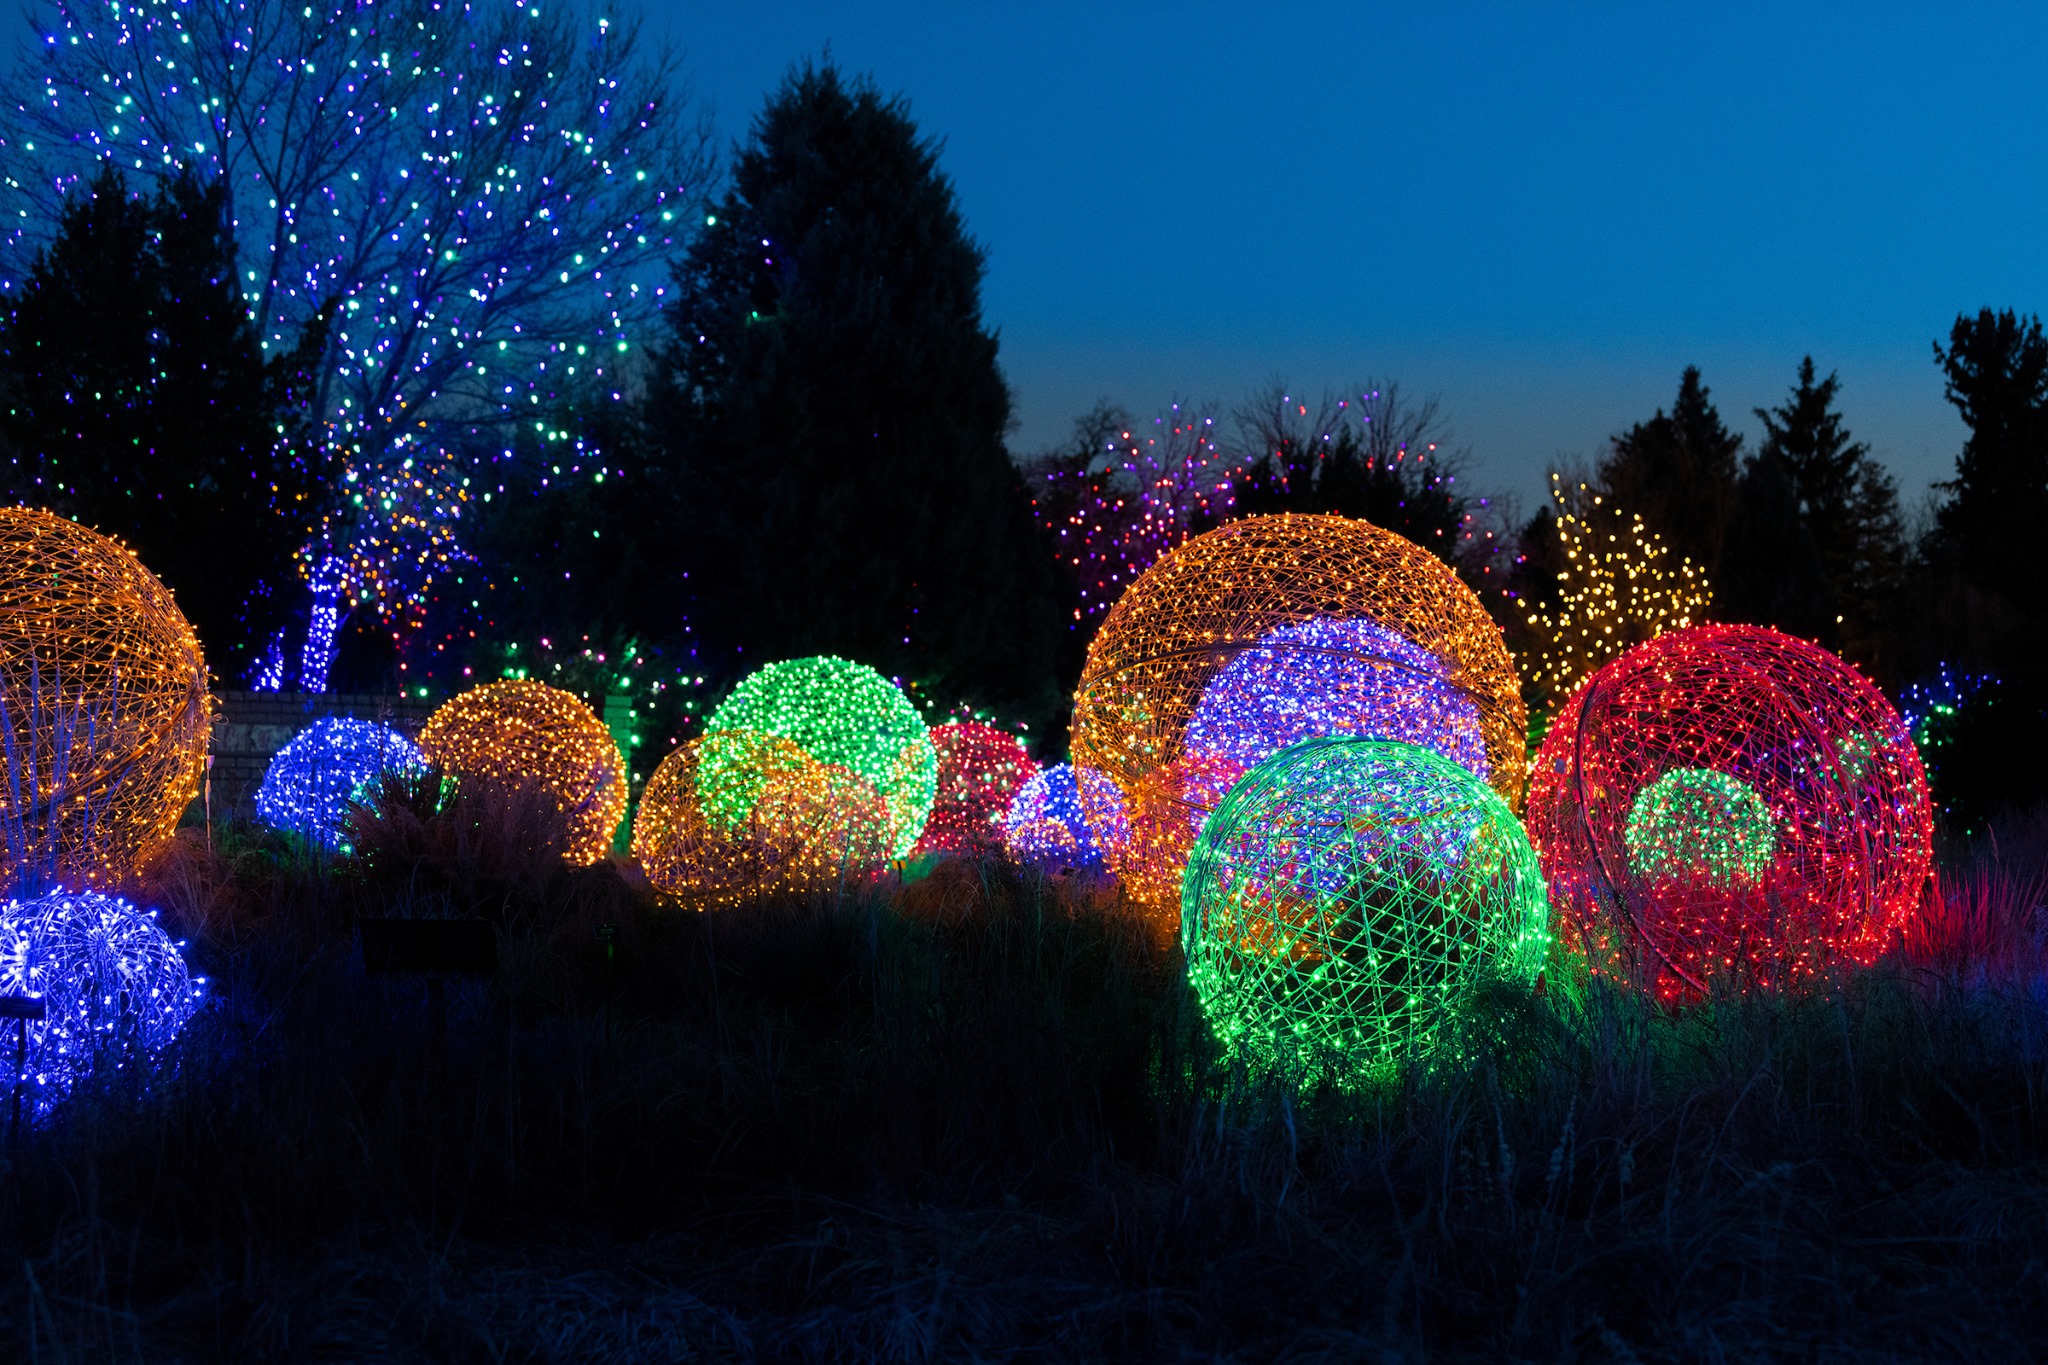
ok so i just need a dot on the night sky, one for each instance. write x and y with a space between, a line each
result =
1539 214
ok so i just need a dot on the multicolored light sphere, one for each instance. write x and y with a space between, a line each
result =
520 731
1048 821
1345 899
1729 804
736 815
102 703
981 769
115 990
1271 630
845 715
323 769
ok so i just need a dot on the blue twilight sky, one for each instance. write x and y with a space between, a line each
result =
1540 213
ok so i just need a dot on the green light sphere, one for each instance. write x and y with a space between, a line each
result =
840 713
1697 825
1344 901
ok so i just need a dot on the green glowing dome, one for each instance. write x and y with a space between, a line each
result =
1694 824
838 713
1344 900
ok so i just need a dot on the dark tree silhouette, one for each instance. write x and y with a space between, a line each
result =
1772 573
832 400
137 400
1678 473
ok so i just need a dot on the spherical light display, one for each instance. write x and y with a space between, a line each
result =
845 715
1345 898
1267 631
1729 803
311 781
735 815
1048 820
115 989
980 771
520 731
102 702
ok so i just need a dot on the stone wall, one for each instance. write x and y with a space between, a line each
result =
249 727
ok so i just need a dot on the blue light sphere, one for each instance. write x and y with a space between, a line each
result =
1047 823
115 989
312 780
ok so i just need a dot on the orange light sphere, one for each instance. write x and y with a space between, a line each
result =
522 731
103 699
737 814
1267 631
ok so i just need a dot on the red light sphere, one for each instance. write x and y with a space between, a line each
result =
981 769
1728 804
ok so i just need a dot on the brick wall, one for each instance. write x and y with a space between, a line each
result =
249 727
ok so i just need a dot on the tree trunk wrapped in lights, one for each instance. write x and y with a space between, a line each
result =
1729 804
1265 632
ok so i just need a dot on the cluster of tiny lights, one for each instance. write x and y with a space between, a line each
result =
1345 899
1729 803
1932 706
1047 822
736 815
1619 585
842 714
332 763
517 732
981 769
1271 630
114 987
476 202
103 702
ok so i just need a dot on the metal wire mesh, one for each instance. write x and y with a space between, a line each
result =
980 771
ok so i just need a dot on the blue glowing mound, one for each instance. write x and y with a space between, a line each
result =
115 989
1324 677
311 781
1345 900
1046 823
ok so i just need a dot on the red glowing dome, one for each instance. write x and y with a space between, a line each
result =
1729 803
980 769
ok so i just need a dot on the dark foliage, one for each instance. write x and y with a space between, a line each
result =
137 400
1678 473
832 401
1987 758
1771 569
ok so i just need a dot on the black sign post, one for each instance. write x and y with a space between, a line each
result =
432 950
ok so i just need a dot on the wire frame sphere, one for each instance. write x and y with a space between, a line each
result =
1727 803
735 815
981 769
1271 630
522 731
845 715
115 990
1346 898
103 703
313 779
1048 819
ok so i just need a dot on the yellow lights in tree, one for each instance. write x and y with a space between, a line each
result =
738 814
516 732
1618 585
103 703
1266 632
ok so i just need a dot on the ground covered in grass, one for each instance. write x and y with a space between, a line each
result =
977 1118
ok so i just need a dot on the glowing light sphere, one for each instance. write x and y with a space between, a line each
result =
311 781
116 991
734 815
1729 803
519 731
102 703
980 770
846 715
1270 630
1344 900
1048 820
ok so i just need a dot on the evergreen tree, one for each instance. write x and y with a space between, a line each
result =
1771 569
1849 509
137 400
1678 472
832 400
